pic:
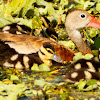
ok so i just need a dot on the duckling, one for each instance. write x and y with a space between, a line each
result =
9 58
83 69
19 28
91 65
81 74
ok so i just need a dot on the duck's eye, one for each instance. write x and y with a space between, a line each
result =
83 16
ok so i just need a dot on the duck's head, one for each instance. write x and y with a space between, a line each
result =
78 18
47 54
75 20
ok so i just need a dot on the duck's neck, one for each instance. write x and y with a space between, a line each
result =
77 39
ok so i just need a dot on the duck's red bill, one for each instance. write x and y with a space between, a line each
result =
94 23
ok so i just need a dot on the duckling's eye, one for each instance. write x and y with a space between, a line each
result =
82 16
49 50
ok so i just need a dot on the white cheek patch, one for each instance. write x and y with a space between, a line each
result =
88 75
26 62
90 65
74 75
78 66
7 64
6 28
19 65
14 57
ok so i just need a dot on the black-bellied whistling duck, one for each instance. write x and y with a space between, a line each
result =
75 20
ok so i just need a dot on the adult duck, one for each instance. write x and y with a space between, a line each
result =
75 20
